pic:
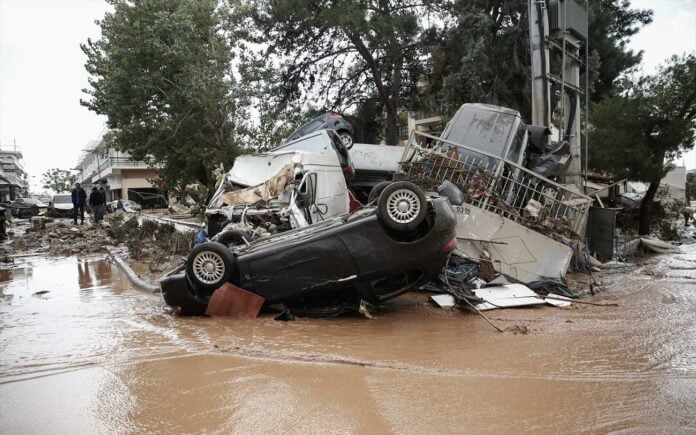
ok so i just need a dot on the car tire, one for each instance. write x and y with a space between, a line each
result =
376 191
210 265
346 138
233 238
402 206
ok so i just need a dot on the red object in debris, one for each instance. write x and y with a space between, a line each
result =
353 203
449 246
230 300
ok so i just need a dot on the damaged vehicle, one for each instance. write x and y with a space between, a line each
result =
332 121
264 194
61 206
371 255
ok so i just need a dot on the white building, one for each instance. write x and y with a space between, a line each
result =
120 175
13 177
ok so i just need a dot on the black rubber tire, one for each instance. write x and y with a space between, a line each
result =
376 191
233 238
225 267
343 134
390 202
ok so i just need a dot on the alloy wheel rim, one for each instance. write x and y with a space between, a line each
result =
208 267
403 206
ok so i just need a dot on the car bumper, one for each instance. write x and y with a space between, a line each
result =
60 212
177 294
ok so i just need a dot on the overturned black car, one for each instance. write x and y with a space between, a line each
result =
372 255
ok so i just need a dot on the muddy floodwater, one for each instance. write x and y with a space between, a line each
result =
81 351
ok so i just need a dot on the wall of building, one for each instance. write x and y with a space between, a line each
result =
134 179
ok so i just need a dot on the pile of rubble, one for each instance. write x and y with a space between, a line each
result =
60 238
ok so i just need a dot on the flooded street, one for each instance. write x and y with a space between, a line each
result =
83 351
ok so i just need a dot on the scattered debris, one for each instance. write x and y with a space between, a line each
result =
506 296
444 300
232 301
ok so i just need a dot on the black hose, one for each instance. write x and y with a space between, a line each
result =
573 108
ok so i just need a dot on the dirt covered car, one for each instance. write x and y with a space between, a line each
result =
61 206
372 255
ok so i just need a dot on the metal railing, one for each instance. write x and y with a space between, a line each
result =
497 185
121 162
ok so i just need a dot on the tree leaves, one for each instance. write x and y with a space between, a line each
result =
161 73
58 180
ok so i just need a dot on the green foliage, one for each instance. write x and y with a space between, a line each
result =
337 53
484 57
638 134
161 73
58 180
612 23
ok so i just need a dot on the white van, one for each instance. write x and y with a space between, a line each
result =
277 191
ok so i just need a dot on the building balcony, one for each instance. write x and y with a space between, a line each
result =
107 164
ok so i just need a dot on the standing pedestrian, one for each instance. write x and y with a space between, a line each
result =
96 201
79 198
687 212
102 192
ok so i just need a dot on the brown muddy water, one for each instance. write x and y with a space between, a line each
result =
95 355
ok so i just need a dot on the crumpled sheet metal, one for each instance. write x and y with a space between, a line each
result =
264 191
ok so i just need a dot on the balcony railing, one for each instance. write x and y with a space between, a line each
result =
121 162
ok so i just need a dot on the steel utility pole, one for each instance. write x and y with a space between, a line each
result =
557 31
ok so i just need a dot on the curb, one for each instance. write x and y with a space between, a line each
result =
132 276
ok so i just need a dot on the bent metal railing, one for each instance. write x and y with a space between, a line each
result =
497 185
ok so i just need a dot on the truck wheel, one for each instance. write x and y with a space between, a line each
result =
401 206
233 238
346 138
210 265
375 192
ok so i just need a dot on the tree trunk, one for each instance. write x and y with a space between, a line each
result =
646 209
392 134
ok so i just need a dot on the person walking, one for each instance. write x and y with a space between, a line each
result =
96 201
79 198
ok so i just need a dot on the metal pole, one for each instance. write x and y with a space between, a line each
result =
563 68
587 100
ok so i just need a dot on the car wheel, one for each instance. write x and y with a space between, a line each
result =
402 206
376 191
346 138
233 238
210 265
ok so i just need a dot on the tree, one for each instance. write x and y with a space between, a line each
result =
58 180
484 56
638 134
161 73
341 52
612 23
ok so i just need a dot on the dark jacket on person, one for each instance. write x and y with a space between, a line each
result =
80 195
96 198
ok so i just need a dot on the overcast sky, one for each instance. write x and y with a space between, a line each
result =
42 72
